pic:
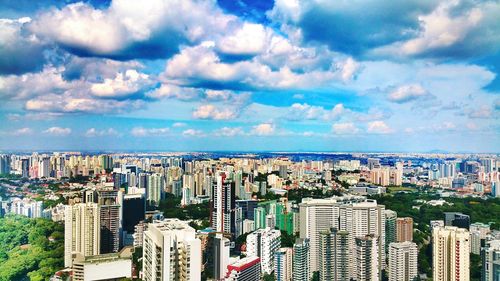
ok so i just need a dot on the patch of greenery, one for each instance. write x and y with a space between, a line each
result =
32 248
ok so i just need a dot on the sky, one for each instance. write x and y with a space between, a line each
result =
288 75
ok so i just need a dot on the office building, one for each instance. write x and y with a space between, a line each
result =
133 210
404 229
246 269
110 220
283 264
264 243
300 269
450 254
171 251
478 234
403 258
490 257
220 251
456 219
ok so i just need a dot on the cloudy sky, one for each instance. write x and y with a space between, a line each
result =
292 75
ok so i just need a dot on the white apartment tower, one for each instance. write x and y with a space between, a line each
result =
264 243
283 264
81 231
171 252
450 254
367 266
403 259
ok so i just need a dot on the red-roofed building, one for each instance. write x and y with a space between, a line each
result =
246 269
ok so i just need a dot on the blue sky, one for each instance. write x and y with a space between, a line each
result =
286 75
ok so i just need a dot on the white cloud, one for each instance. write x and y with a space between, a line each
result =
149 132
264 129
93 132
407 93
228 132
193 133
123 84
344 128
22 132
481 112
248 39
179 124
378 127
210 111
58 131
300 112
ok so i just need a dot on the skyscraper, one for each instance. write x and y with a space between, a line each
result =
110 220
403 258
301 270
220 255
171 252
404 229
490 256
367 258
450 254
264 243
155 189
222 205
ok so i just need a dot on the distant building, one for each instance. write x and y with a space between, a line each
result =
404 229
112 266
390 227
456 219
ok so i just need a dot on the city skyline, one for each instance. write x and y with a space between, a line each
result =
250 76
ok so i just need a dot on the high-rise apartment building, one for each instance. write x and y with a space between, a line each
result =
403 258
404 229
334 255
301 270
171 252
390 227
450 254
223 205
264 243
283 264
353 214
367 266
155 189
110 220
490 256
82 232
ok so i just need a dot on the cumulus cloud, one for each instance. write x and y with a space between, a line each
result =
22 132
123 84
200 66
129 29
229 132
264 129
20 51
249 39
300 112
407 93
57 131
378 127
345 128
149 132
209 111
93 132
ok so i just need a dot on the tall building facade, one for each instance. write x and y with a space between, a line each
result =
404 229
264 243
450 254
490 256
353 214
171 252
301 270
246 269
390 227
367 258
223 205
403 258
283 264
110 218
334 255
82 233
